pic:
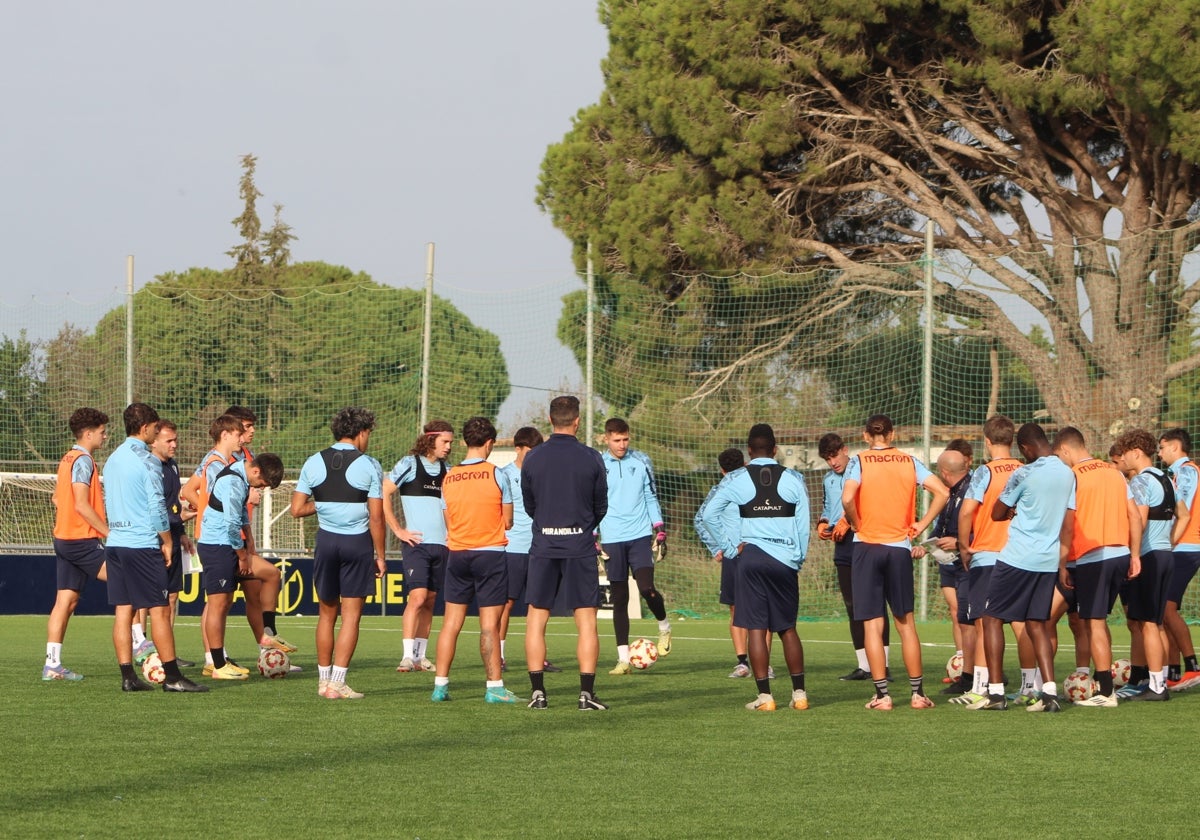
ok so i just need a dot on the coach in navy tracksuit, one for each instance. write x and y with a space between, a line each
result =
565 491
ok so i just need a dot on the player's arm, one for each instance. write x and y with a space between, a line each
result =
850 503
389 509
378 529
1136 528
941 494
1001 511
302 505
83 506
190 492
1182 517
1066 535
507 512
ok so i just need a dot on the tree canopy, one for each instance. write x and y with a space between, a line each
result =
1053 144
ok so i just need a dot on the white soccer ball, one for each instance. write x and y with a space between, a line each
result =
1079 686
954 666
1121 672
273 664
642 653
152 669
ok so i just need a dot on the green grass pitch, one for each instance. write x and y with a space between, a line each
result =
677 756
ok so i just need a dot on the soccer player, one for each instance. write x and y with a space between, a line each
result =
728 461
1036 497
225 552
343 486
479 510
566 495
418 478
1174 450
980 539
771 542
164 448
833 526
954 469
1164 519
140 549
879 494
79 526
629 534
520 536
1101 548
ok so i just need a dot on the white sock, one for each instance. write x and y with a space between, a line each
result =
54 653
323 672
1082 669
623 653
441 681
996 689
208 657
139 635
490 683
408 649
861 655
887 655
502 648
419 647
1050 688
664 626
1164 674
337 675
1038 685
1027 680
1157 683
980 686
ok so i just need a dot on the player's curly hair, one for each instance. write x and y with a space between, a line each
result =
1137 439
429 434
349 422
83 419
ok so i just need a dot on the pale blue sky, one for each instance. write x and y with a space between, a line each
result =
379 126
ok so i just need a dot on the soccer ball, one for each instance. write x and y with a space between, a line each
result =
1121 672
152 669
642 654
954 666
1079 686
273 664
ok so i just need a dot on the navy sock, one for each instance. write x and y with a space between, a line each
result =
587 682
537 679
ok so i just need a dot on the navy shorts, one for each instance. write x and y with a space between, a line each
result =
220 562
77 561
843 552
962 594
729 567
1097 585
979 580
950 574
482 575
175 570
518 570
624 556
1186 564
424 566
1069 596
1145 596
768 592
343 566
881 576
137 577
1019 595
574 580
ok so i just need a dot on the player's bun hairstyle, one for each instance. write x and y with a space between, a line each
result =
761 440
138 415
999 430
429 434
878 425
615 425
224 423
564 411
83 419
1031 434
1181 436
962 447
271 466
829 445
477 431
1069 436
242 413
731 459
527 436
349 422
1137 439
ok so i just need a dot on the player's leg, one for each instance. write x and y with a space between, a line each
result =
616 569
268 581
447 642
846 588
489 641
347 637
327 615
535 636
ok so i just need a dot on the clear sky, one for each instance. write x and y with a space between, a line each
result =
380 125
